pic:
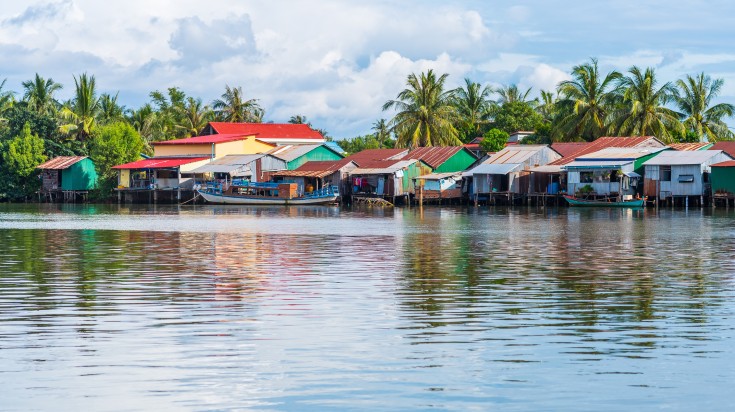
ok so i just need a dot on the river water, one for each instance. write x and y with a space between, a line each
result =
320 308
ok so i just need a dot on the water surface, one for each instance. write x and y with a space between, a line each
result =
321 308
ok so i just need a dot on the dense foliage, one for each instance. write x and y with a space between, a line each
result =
35 125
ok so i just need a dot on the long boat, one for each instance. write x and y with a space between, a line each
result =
573 201
257 193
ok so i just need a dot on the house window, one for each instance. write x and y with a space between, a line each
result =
686 178
665 173
585 177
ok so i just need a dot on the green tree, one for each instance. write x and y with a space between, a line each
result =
515 116
144 122
298 119
694 96
512 94
644 110
547 105
195 117
170 109
6 100
587 100
474 106
542 134
359 143
80 115
110 109
425 113
382 132
21 155
494 140
39 95
114 144
233 107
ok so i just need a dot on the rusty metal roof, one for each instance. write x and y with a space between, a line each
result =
727 147
317 169
61 162
514 154
371 155
727 163
435 156
567 148
605 142
687 147
383 167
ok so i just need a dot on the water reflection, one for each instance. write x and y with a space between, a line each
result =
327 308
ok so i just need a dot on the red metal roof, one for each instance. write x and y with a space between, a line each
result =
727 147
268 130
210 139
567 148
371 155
60 162
689 147
603 143
727 163
315 169
160 163
434 156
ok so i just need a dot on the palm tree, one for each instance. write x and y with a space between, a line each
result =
511 94
694 97
233 108
80 114
425 114
144 122
110 110
474 104
6 100
587 100
643 112
194 116
39 94
382 132
547 105
298 119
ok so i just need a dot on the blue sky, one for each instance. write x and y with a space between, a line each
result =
337 62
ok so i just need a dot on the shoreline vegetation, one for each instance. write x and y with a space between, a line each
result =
35 126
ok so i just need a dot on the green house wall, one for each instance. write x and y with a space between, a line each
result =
638 164
321 153
413 171
79 176
723 179
459 162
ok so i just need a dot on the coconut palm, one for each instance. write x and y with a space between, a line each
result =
232 107
79 115
643 112
474 104
298 119
194 117
39 94
6 100
382 132
110 110
511 94
695 96
547 105
144 122
425 114
587 101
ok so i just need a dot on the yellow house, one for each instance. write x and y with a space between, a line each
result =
212 146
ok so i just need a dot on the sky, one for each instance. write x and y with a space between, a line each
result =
338 61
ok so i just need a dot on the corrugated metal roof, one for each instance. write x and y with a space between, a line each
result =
60 162
727 147
160 163
317 169
605 142
514 154
727 163
672 157
690 146
371 155
629 153
435 156
493 169
228 164
210 139
268 130
292 152
383 167
438 176
595 164
547 169
567 148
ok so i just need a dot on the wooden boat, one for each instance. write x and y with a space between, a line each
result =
573 201
256 193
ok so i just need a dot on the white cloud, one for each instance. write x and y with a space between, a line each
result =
544 77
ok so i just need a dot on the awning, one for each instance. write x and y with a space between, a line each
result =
235 170
632 174
492 169
160 163
547 169
598 164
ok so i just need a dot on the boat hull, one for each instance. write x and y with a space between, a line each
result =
596 203
252 200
